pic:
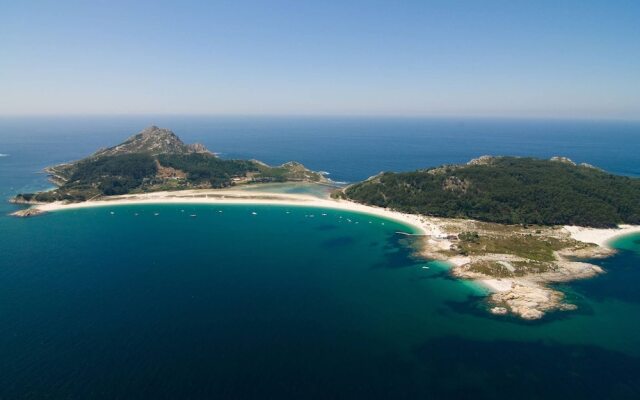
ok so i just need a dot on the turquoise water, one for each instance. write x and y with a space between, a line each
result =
276 304
281 304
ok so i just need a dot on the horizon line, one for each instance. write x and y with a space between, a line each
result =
329 115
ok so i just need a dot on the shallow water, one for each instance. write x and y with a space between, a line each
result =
293 303
277 304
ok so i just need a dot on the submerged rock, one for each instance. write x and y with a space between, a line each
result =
499 310
528 301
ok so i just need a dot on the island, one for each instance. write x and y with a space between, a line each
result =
157 160
513 224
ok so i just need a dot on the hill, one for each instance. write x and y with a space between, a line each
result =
509 190
156 159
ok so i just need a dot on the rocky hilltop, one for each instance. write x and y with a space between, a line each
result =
154 141
156 159
151 140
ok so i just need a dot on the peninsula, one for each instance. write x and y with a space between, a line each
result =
512 224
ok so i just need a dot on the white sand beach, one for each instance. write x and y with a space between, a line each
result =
601 237
427 226
224 196
526 297
497 285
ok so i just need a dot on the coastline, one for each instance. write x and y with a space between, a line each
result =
529 296
526 296
244 197
601 237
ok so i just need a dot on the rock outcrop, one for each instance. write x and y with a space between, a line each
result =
152 140
28 212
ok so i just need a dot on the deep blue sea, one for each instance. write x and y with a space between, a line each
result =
284 305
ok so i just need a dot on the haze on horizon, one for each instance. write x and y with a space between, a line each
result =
574 59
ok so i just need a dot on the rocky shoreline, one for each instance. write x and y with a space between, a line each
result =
28 212
528 296
519 285
517 274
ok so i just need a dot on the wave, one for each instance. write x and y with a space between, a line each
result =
4 155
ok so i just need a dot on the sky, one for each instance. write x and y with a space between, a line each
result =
564 59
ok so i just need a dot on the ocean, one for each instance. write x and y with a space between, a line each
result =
288 302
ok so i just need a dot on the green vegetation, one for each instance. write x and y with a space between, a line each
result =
202 168
509 190
526 246
291 171
512 252
114 175
518 268
154 160
472 237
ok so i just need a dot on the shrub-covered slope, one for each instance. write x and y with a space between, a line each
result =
156 159
509 190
